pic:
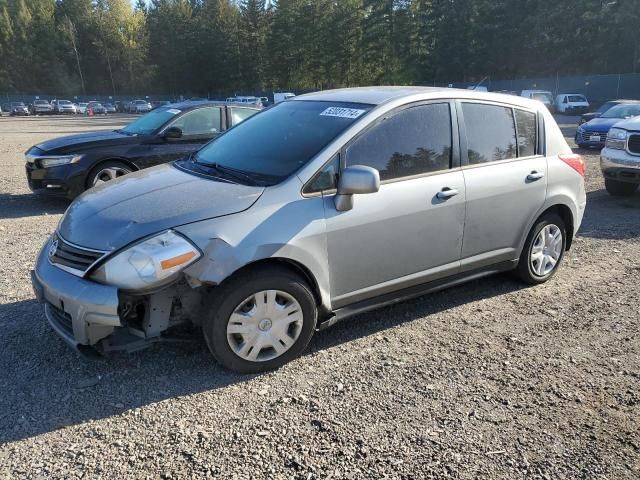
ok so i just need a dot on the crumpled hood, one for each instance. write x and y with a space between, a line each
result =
112 215
76 142
600 124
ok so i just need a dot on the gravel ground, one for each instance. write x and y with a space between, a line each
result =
488 380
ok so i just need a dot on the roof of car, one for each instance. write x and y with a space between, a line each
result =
380 95
186 104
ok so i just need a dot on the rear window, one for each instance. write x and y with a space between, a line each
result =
491 132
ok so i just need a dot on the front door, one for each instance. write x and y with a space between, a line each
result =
409 232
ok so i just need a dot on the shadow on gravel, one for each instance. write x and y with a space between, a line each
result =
30 205
608 217
46 386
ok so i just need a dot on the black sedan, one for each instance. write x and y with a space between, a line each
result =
70 165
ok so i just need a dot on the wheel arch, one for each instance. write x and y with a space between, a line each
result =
565 213
97 163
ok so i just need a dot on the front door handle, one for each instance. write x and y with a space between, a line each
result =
533 176
446 193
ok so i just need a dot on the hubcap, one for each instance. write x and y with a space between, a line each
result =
109 173
264 325
546 250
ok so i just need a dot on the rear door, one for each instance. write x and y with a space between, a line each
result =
407 233
505 177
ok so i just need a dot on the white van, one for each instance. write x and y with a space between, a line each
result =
543 96
574 103
282 96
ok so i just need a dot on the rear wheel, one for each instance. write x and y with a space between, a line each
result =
620 189
106 172
260 320
543 250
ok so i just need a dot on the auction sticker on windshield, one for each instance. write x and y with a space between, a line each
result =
342 112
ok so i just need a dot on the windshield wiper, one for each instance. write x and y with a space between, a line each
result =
238 175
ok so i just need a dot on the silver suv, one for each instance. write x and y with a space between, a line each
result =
321 207
620 158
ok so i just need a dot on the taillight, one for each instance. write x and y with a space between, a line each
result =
575 161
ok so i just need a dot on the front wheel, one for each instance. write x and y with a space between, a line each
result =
620 189
543 250
106 172
260 320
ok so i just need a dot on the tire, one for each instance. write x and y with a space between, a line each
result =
115 168
533 271
236 297
620 189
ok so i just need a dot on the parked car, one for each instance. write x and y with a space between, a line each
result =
594 133
603 108
311 211
543 96
17 109
264 101
620 158
81 108
159 103
248 100
571 103
63 106
41 107
120 106
97 108
110 107
69 165
140 106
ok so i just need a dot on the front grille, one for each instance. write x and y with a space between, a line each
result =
61 318
634 144
586 136
71 256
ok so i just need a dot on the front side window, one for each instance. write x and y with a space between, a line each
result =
414 141
202 121
238 114
491 133
280 140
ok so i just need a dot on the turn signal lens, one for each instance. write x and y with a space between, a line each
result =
176 261
575 161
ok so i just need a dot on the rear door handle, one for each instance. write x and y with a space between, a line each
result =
533 176
446 193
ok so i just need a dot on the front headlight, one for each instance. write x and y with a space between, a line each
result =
57 160
148 264
616 138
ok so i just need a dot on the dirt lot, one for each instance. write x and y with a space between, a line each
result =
487 380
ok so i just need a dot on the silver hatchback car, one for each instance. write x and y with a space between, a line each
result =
321 207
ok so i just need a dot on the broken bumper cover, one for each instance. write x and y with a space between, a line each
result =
80 311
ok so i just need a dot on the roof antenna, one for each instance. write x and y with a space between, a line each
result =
480 82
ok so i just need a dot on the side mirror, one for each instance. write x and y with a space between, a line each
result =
357 179
173 133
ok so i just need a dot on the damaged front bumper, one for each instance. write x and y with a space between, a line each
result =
89 314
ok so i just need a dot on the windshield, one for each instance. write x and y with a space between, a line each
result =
278 141
543 97
606 106
18 104
576 98
40 102
64 102
150 122
140 102
622 111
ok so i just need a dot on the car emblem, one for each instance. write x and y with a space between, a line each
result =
53 248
